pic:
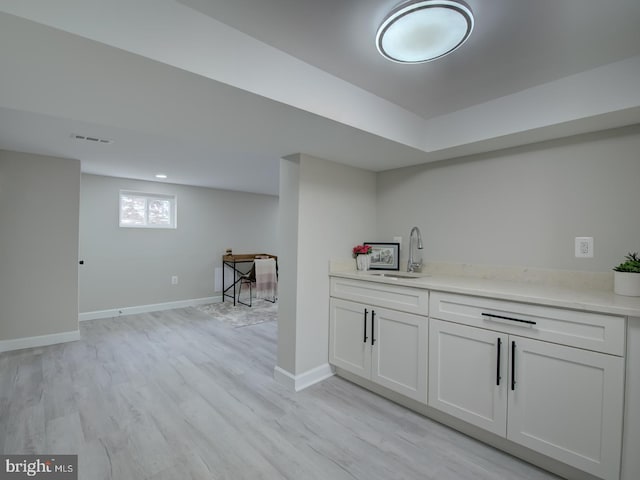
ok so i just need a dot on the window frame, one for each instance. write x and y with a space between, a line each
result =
148 196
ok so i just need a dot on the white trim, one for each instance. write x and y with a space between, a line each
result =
303 380
155 307
284 378
39 341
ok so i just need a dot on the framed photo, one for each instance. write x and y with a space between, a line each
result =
384 256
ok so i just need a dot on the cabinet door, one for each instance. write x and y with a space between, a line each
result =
468 374
348 328
567 403
399 353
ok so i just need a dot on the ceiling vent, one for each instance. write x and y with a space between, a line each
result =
91 139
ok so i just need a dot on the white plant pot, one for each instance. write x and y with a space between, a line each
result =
626 283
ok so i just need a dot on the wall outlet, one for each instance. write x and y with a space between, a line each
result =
174 280
584 247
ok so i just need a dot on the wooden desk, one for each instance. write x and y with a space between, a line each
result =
232 262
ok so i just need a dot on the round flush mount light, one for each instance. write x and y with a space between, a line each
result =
161 176
421 31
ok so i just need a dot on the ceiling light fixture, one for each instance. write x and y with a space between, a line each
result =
420 31
161 176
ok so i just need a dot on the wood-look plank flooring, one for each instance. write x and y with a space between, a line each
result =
178 395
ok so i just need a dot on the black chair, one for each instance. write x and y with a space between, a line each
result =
248 278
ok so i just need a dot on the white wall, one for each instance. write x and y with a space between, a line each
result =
522 206
39 199
127 267
335 211
288 263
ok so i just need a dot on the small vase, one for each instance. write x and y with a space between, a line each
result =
363 262
626 283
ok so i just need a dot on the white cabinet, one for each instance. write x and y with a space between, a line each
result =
545 378
468 374
395 297
349 342
567 403
558 400
588 330
385 346
399 352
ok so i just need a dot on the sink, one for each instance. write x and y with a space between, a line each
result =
396 276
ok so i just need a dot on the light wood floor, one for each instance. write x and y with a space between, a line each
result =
177 395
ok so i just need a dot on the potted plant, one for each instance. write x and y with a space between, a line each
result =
626 276
362 254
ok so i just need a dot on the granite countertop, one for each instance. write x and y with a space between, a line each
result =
594 300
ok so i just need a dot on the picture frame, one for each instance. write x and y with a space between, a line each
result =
384 256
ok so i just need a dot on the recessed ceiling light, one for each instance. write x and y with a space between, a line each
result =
161 176
419 31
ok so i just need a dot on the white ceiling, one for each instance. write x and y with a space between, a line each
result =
214 92
516 44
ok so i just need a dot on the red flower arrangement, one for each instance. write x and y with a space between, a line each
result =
361 250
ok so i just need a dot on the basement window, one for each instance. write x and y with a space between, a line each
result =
147 210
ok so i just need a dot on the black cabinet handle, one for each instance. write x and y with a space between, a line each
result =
513 365
498 376
491 315
365 325
373 327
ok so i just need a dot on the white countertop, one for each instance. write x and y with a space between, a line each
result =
602 301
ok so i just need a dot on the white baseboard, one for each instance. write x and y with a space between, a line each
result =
39 341
303 380
156 307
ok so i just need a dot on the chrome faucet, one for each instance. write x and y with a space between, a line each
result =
412 264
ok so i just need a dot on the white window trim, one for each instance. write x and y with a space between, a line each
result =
150 196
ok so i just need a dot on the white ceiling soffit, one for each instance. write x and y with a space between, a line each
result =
172 33
515 45
198 131
154 92
156 29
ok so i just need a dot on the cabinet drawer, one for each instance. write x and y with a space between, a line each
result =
397 297
588 330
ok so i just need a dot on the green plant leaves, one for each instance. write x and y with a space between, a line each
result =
632 264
